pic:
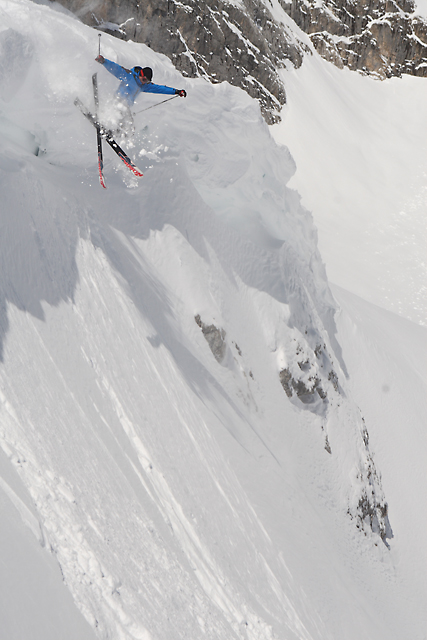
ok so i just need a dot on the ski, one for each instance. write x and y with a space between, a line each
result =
122 155
98 132
107 136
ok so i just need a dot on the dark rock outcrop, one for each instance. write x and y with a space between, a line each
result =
305 391
372 508
381 37
310 381
214 337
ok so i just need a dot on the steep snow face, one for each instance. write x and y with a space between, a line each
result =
173 396
387 356
360 148
35 603
421 8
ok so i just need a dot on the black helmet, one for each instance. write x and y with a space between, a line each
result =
147 72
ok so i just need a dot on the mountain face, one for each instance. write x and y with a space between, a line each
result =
280 258
248 42
379 37
179 428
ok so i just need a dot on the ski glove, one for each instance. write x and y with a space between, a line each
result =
100 59
181 92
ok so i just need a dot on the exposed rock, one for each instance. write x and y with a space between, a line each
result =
239 351
372 509
214 337
375 516
242 44
307 391
286 380
381 37
312 382
333 378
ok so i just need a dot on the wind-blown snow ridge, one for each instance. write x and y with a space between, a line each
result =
182 496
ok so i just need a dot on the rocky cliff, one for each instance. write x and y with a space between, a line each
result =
382 37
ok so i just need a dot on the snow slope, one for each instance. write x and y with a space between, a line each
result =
178 490
387 356
421 8
360 148
34 600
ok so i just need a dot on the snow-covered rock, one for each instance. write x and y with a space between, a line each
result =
383 38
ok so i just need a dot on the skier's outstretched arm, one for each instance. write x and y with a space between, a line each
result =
159 88
119 72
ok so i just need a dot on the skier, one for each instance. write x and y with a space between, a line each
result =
133 82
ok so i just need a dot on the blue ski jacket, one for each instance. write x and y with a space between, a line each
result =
130 84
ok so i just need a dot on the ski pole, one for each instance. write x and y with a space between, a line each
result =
99 44
155 105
